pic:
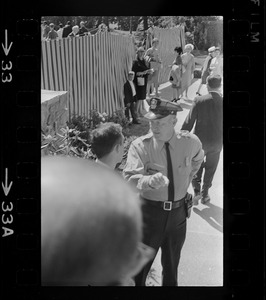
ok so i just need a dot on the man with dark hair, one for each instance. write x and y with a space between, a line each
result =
67 29
107 143
91 225
161 165
207 113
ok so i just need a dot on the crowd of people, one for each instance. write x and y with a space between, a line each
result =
53 32
143 78
100 227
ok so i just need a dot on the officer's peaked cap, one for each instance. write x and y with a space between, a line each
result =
160 108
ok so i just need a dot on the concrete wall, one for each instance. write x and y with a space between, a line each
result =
54 111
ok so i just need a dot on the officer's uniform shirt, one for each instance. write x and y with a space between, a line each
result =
147 156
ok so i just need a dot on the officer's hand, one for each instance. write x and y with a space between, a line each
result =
158 180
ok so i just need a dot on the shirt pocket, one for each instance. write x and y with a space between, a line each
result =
185 167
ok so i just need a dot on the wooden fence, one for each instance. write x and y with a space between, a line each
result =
92 68
169 38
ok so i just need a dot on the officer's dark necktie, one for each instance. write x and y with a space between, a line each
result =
171 188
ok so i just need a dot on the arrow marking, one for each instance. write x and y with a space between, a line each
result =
6 48
6 188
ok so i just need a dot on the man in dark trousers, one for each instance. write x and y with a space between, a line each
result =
207 113
162 164
130 97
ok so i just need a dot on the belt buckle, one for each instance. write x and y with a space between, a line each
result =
167 205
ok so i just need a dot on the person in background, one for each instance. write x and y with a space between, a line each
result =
52 34
67 29
176 72
216 65
107 143
141 71
188 62
206 68
207 116
46 30
154 62
130 98
82 29
75 32
91 225
161 165
60 31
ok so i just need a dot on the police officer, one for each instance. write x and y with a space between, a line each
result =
161 164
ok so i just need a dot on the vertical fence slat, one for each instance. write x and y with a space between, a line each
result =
96 73
70 59
59 65
105 67
50 70
84 74
45 65
91 97
54 64
63 63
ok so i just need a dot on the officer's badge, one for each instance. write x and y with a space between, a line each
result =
153 103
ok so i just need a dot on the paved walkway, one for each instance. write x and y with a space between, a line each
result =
201 262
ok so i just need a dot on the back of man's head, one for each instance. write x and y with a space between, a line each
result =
214 82
90 221
104 138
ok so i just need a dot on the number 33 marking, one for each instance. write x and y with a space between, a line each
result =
8 77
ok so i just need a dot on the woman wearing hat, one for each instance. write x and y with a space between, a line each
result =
175 75
141 77
206 68
152 57
189 64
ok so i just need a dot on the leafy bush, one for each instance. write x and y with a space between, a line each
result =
69 143
74 140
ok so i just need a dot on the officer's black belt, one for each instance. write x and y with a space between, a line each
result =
166 205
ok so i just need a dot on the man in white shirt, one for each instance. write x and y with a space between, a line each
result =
60 31
216 66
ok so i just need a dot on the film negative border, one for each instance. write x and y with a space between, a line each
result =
20 161
245 103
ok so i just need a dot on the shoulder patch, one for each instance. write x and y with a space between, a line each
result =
147 136
183 134
139 140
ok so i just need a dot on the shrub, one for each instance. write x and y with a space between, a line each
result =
74 140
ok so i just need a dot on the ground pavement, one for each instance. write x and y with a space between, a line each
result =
201 262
